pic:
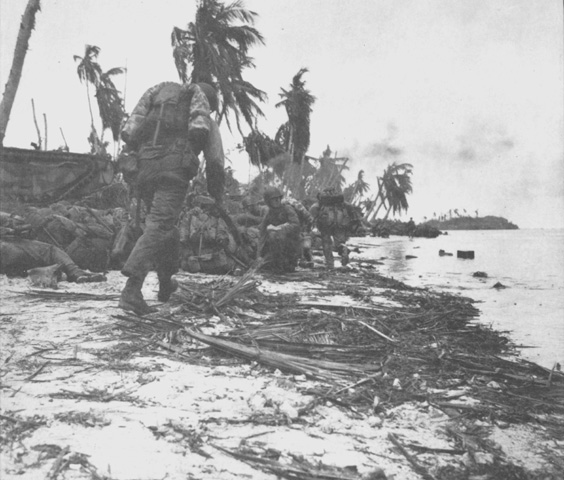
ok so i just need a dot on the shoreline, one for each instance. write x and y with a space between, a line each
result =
530 293
146 399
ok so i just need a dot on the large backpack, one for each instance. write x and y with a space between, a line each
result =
332 212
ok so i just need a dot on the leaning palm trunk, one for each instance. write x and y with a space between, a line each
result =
380 205
287 176
90 109
370 209
371 214
22 43
388 211
382 200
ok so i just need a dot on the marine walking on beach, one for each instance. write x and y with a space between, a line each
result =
335 219
167 130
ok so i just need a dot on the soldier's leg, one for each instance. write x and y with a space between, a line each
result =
327 244
306 248
168 264
340 242
146 255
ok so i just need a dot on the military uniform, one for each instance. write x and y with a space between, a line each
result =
280 234
169 127
306 225
18 255
333 219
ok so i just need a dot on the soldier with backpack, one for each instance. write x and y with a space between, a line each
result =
335 219
166 132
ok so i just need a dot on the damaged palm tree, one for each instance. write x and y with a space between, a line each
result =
216 45
22 44
297 101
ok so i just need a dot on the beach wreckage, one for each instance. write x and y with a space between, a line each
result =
418 385
45 177
40 175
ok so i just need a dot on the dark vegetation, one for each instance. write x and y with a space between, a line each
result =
473 223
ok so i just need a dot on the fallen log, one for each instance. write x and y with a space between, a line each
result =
319 369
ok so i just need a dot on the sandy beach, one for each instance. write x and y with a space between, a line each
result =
82 398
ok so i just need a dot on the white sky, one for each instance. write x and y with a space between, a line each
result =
471 91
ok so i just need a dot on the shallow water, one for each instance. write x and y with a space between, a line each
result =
530 263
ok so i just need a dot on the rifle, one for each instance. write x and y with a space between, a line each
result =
229 222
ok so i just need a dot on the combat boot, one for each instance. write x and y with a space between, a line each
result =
167 286
132 299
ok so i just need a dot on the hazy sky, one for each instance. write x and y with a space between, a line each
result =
470 91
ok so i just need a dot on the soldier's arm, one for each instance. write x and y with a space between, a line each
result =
199 123
215 162
262 234
308 218
292 216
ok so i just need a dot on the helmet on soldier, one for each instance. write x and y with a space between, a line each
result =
270 193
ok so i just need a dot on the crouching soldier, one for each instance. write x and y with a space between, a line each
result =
334 218
306 225
279 240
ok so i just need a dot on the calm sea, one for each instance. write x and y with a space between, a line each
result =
530 263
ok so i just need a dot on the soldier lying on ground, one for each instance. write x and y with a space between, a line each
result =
85 234
18 255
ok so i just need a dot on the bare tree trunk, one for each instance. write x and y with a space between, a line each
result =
46 132
376 206
287 175
39 141
64 139
388 212
22 44
380 205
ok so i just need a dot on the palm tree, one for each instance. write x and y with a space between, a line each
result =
297 101
89 72
261 148
397 185
218 51
22 43
393 188
354 192
110 103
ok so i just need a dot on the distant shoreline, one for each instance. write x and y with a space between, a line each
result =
489 222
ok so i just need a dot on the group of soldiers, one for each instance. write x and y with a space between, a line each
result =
286 229
169 128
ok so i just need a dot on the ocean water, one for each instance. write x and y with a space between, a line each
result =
529 262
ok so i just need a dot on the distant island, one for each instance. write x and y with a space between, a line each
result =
473 223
